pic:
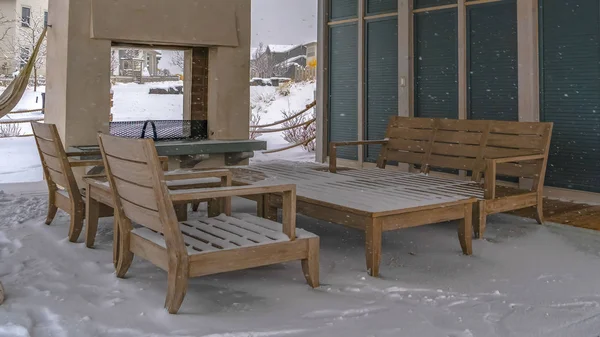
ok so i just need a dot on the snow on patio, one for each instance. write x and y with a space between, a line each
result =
524 280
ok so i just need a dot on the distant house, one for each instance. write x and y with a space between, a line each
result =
131 62
287 61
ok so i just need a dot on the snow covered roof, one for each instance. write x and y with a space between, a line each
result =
281 48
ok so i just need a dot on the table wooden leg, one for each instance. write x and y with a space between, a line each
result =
92 213
181 212
269 211
214 208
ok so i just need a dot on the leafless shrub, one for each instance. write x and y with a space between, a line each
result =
301 133
10 130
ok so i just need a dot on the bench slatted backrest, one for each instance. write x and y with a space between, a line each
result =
409 141
55 163
138 185
457 144
512 139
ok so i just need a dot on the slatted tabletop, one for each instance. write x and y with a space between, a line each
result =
368 190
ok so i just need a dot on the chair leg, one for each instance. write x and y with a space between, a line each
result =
373 247
539 211
92 212
177 285
76 224
122 255
310 265
195 206
52 209
465 230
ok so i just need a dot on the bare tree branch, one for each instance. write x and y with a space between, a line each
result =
178 59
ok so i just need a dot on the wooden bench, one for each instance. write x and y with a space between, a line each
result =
201 247
486 149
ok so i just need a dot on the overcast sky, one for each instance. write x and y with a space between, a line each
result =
274 22
284 21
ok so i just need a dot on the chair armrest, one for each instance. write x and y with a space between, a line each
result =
491 171
84 163
190 180
517 158
334 145
230 191
182 175
84 154
288 205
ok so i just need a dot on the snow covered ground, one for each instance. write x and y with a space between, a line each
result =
132 102
524 280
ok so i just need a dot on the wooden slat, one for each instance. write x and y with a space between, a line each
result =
149 250
519 128
48 147
140 195
58 178
407 133
518 170
52 163
133 151
462 150
472 138
407 145
511 203
461 125
425 217
137 173
207 234
412 122
247 257
502 152
142 216
405 157
42 130
516 142
452 162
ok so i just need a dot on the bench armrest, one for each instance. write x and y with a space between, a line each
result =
334 145
491 171
288 205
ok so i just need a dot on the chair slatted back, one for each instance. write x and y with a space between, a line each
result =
512 139
409 140
138 185
55 163
457 144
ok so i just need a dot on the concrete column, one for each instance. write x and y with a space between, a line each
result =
187 84
78 74
462 60
322 80
529 83
405 58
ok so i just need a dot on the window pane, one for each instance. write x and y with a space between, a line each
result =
343 9
381 6
432 3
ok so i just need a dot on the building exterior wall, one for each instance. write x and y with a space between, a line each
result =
491 93
14 36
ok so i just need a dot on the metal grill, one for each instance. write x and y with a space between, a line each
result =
160 129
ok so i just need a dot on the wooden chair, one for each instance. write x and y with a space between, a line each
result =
201 247
57 165
63 191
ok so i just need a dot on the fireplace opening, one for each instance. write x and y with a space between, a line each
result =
155 94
